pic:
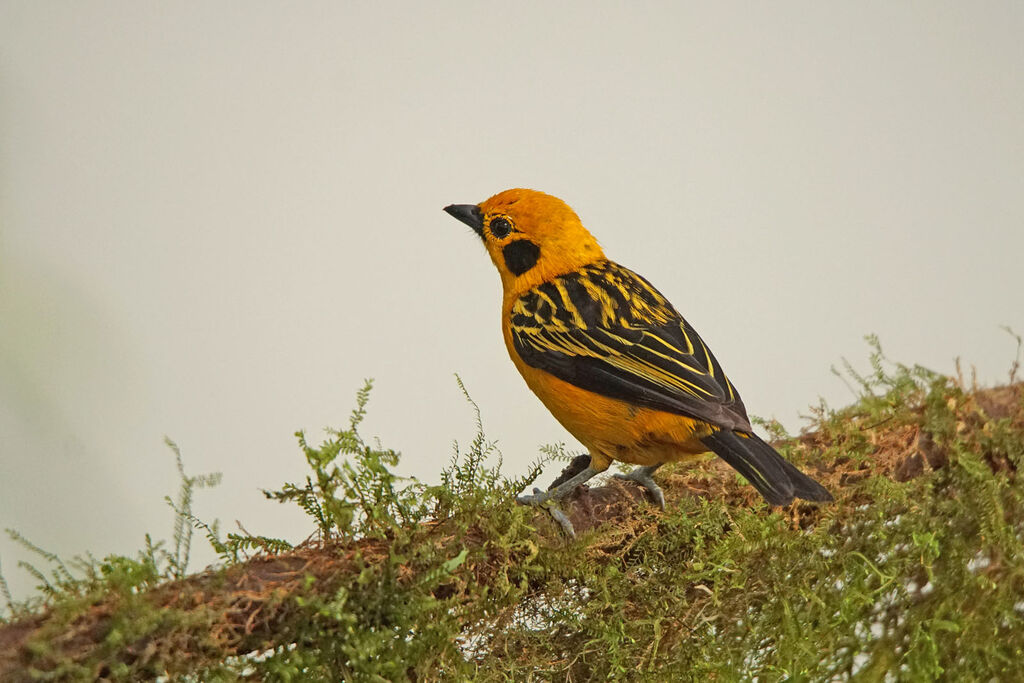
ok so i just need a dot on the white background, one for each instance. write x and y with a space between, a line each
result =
217 218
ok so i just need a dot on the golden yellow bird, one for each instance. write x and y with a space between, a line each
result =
611 358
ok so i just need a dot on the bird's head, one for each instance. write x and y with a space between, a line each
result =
532 237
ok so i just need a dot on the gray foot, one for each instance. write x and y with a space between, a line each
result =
539 498
563 521
642 476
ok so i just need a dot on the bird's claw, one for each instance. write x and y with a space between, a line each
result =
563 521
538 499
549 498
643 478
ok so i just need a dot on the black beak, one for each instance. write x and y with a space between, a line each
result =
469 214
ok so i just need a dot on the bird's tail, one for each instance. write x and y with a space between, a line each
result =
774 477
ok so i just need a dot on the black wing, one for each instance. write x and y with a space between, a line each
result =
607 330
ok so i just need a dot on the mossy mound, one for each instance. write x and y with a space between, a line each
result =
915 572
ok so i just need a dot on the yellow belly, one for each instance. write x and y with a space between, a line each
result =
615 430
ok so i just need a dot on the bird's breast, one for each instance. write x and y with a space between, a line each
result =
612 429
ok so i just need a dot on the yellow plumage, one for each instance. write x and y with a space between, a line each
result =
610 357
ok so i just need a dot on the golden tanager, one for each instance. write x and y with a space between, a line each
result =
611 358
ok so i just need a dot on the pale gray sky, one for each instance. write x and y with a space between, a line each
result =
217 218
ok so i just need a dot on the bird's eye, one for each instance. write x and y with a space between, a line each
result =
500 228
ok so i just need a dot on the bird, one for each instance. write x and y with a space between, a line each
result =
612 359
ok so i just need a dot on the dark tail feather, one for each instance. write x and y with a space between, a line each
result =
771 474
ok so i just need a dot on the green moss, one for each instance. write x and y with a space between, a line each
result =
909 580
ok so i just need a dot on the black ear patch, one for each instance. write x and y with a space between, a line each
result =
520 256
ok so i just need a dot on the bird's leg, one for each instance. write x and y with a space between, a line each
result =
577 465
642 476
556 493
